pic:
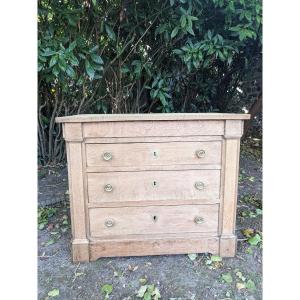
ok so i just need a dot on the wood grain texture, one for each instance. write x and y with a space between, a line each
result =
80 250
154 185
77 202
153 220
154 246
72 132
153 171
153 154
230 185
152 128
151 117
152 139
228 246
132 168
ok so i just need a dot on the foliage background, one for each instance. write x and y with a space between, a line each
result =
145 56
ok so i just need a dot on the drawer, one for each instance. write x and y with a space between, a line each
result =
153 154
153 220
153 128
154 185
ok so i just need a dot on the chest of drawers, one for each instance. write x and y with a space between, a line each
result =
149 184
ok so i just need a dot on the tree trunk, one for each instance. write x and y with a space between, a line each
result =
254 110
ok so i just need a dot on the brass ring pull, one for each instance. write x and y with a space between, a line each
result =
108 188
200 153
107 156
199 185
109 223
199 220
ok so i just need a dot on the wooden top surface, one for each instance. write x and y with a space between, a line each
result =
151 117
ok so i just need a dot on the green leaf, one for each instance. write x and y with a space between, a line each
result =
255 240
142 291
183 21
42 226
215 258
174 32
192 256
97 59
125 69
74 61
106 289
50 242
71 73
250 285
156 294
89 69
172 2
190 30
62 64
227 277
147 296
53 293
48 52
94 49
178 51
53 61
94 2
72 46
55 71
110 32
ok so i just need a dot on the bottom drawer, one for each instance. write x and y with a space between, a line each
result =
118 221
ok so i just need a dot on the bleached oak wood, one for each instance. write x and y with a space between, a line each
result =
154 246
151 117
149 154
233 133
152 128
152 172
152 139
154 185
153 220
80 243
153 168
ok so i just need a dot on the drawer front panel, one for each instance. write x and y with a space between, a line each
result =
153 154
154 185
153 220
152 128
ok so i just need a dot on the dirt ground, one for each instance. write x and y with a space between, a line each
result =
194 277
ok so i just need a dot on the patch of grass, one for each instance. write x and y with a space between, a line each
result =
44 214
251 199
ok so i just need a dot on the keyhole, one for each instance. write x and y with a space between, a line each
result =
154 154
154 183
154 218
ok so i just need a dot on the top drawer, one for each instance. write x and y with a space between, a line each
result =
153 128
153 154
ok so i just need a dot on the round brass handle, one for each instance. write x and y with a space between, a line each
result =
107 156
108 188
199 185
109 223
200 153
199 220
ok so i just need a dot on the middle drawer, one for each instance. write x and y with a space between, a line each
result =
154 185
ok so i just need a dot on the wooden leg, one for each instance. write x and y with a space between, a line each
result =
228 246
80 251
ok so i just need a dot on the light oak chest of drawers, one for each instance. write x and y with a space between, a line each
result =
149 184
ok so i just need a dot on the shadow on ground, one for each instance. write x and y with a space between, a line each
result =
176 276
